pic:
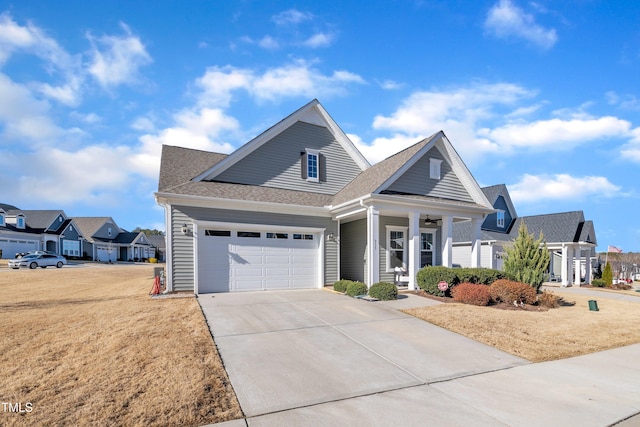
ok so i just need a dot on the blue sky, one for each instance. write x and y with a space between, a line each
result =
541 96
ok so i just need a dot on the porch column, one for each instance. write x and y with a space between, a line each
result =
565 264
447 240
414 248
588 274
576 269
476 243
569 266
373 246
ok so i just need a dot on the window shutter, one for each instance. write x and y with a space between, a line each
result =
322 166
303 165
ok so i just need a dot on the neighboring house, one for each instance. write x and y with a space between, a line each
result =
569 237
107 242
160 245
299 206
29 230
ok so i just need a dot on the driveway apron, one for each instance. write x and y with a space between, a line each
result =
301 349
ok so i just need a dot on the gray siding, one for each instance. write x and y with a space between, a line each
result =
57 223
416 180
103 232
277 163
491 222
183 256
182 249
353 250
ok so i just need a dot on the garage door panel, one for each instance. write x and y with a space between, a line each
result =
248 263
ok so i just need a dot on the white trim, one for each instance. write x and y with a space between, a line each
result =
241 205
435 168
405 249
316 154
168 255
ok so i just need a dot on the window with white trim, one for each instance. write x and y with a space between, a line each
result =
313 165
435 168
1 219
396 247
500 219
427 239
20 222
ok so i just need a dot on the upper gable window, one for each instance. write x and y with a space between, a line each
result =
434 168
500 219
20 222
313 165
1 219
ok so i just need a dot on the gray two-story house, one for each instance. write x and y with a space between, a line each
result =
299 206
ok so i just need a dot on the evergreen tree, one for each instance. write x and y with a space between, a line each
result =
526 261
607 275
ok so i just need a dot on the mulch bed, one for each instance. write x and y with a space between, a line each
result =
499 306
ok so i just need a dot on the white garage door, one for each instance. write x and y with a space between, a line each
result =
106 254
237 260
11 247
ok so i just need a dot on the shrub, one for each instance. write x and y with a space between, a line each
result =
607 275
548 299
429 277
384 291
527 259
621 287
341 285
508 291
598 283
356 288
484 276
471 293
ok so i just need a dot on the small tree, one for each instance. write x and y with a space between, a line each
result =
526 261
607 275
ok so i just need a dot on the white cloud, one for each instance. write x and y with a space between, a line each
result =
631 150
87 175
291 17
458 111
532 188
390 84
298 79
201 129
23 116
268 42
381 148
218 84
32 40
556 134
505 20
319 40
626 102
116 60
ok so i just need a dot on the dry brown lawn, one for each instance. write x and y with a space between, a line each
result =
88 346
558 333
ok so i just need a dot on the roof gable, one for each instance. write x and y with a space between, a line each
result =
456 182
97 227
312 113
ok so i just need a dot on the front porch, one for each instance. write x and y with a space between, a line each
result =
377 239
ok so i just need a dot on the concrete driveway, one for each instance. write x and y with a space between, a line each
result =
313 357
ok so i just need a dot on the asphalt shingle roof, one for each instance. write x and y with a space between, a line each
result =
556 228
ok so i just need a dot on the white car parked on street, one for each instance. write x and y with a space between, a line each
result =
38 260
